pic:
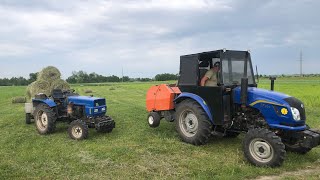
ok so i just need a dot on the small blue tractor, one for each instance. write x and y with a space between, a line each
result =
273 122
82 112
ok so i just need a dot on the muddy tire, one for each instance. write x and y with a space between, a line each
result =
263 147
153 119
78 130
192 123
45 119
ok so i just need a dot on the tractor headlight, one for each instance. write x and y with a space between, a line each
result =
103 109
96 110
295 114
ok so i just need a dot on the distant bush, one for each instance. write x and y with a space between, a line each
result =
166 77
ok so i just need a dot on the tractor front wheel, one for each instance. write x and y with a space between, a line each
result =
78 130
192 123
263 147
45 119
154 119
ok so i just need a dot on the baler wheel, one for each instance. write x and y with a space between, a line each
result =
154 119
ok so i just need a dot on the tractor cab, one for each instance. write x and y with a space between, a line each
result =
234 65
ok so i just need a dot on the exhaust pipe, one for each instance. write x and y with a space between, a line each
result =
272 82
244 92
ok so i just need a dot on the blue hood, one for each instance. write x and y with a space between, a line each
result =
270 104
255 94
83 100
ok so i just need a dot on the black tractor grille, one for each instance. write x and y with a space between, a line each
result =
296 103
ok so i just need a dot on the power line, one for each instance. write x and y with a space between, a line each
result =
301 63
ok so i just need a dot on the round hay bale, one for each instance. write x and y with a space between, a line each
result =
59 84
19 100
88 91
28 91
49 74
39 86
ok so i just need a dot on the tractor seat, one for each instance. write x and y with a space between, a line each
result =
57 94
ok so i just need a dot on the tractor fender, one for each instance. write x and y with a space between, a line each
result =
198 99
48 102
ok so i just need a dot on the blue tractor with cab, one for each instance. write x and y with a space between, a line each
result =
273 122
81 112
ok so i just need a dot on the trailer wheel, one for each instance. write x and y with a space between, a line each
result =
297 148
78 130
45 119
154 119
263 147
192 123
28 118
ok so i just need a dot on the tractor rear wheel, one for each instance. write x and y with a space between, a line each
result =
78 130
192 123
45 119
154 119
263 147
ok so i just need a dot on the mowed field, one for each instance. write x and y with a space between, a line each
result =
134 150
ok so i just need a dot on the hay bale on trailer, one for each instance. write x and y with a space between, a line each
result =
28 91
59 84
49 74
40 86
47 80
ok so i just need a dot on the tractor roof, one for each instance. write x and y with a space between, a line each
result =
211 54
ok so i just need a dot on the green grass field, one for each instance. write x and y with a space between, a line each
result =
134 150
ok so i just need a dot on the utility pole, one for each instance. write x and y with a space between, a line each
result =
122 72
301 63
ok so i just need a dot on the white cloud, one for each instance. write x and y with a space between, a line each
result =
147 37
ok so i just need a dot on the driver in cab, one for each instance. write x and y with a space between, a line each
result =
211 76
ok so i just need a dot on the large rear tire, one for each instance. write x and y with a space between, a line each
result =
45 119
192 123
263 147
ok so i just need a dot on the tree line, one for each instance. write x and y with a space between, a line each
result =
83 77
18 81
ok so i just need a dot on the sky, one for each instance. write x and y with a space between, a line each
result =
145 37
